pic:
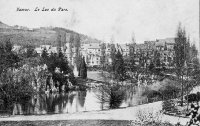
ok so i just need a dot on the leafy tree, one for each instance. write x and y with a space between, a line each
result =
8 59
51 64
14 82
60 61
13 91
29 56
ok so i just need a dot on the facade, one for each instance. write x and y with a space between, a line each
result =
144 54
166 49
92 53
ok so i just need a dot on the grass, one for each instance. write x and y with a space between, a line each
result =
67 123
77 123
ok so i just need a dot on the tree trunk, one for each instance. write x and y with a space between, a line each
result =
182 90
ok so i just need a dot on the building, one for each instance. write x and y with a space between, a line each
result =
166 49
93 51
124 48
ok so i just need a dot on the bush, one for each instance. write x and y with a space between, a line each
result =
193 97
147 117
166 89
169 106
15 91
111 95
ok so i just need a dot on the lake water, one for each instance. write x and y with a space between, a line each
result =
76 101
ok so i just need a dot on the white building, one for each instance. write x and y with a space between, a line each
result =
93 57
50 49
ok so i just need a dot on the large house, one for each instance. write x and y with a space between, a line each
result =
92 52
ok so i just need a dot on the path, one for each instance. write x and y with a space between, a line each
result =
129 113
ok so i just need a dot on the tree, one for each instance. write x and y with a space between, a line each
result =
132 54
71 41
8 59
118 67
77 41
110 95
180 56
14 84
79 62
103 54
83 69
142 59
29 51
29 56
157 58
151 67
44 56
51 64
62 63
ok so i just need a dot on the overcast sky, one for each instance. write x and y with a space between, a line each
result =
101 19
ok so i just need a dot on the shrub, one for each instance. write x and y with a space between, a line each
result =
169 106
111 95
147 117
14 91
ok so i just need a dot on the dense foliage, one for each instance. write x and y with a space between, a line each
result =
57 65
14 87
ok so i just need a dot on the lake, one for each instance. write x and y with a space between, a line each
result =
75 101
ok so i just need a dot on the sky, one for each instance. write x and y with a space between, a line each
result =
106 19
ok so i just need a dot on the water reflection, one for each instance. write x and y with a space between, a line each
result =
75 101
52 103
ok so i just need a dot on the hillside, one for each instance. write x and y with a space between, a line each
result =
39 36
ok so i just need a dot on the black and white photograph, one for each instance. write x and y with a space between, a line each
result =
99 63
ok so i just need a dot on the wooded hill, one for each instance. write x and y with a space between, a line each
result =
40 36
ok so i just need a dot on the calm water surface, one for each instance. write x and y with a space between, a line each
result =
76 101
